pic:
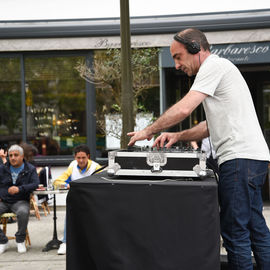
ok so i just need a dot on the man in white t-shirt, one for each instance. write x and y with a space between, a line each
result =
242 152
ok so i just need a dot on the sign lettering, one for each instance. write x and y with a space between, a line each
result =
241 53
238 53
105 43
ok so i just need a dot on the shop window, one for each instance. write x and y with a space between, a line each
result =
266 113
107 80
10 101
55 104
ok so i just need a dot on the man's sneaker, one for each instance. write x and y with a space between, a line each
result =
21 247
62 249
3 247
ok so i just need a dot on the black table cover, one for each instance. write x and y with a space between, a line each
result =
132 224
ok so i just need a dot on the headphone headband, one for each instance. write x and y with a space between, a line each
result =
192 47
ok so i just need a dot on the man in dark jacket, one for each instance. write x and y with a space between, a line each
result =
18 179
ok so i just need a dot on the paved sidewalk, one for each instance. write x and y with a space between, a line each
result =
40 232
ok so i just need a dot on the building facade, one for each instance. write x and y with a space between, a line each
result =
45 102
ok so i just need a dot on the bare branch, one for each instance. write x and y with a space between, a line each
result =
105 73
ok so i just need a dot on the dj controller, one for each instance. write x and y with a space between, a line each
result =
162 162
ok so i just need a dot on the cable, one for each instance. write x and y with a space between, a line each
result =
100 169
214 172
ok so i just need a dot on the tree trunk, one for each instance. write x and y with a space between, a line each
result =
126 71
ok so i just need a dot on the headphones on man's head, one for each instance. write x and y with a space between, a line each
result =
192 47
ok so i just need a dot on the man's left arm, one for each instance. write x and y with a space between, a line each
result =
175 114
196 133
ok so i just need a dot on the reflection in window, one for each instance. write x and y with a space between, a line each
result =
107 79
55 104
10 101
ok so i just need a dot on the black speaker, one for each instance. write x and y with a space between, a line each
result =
192 47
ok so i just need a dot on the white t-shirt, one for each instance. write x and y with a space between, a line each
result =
232 121
208 147
78 173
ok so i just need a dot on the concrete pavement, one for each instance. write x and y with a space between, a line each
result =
41 232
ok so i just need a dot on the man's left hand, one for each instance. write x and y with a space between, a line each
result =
13 190
139 136
168 138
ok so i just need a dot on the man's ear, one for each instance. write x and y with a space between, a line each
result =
88 156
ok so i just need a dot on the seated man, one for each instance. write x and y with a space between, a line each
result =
82 166
18 179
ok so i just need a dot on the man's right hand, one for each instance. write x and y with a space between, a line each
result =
13 190
169 137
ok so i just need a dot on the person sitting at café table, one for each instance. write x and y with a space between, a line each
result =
82 166
18 179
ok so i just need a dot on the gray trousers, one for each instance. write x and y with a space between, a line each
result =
22 210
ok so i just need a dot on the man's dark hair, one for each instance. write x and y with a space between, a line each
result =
192 34
82 148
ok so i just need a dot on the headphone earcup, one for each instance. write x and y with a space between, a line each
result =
193 47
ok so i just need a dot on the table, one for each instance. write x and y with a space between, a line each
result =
137 224
54 243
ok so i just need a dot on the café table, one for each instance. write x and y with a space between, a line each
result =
54 243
